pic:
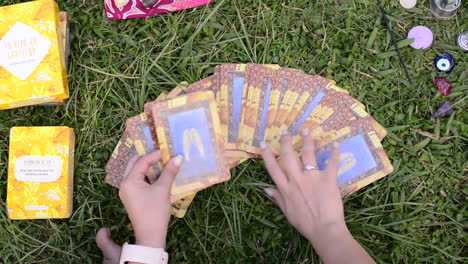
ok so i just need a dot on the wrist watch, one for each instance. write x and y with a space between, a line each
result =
142 254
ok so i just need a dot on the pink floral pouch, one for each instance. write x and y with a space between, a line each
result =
125 9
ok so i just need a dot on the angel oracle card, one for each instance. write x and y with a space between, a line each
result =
123 153
231 80
259 85
189 126
179 208
139 130
362 159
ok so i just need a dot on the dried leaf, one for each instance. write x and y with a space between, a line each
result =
432 136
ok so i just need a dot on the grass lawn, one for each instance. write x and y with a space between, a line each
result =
415 215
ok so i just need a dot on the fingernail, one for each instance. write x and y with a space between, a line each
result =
269 192
178 160
284 132
305 132
108 232
335 144
263 145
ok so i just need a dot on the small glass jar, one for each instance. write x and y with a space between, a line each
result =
444 9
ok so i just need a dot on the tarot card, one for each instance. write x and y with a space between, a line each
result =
180 207
139 131
236 153
329 132
245 104
233 162
328 104
188 125
251 102
144 143
260 86
202 85
210 83
328 83
123 152
280 85
231 91
215 87
178 90
284 110
149 114
337 89
231 88
161 96
311 96
346 110
343 118
362 159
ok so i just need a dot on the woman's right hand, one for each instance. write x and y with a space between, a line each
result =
311 200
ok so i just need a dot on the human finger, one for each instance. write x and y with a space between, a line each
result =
276 195
142 165
288 156
273 167
170 172
308 151
333 162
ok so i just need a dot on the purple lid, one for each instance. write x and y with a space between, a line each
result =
423 37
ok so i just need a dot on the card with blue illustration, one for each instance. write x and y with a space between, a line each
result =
259 85
290 107
144 142
362 159
310 98
189 126
287 101
139 130
285 78
231 92
348 114
247 106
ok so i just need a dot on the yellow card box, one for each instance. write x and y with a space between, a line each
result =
40 172
32 67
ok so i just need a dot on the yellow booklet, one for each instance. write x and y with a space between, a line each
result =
40 172
32 70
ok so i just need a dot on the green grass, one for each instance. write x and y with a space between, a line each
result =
416 215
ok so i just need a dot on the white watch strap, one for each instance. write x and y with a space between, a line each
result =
142 254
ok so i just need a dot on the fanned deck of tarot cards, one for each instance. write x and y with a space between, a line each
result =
220 121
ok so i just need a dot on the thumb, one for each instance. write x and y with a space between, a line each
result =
142 165
276 195
170 172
